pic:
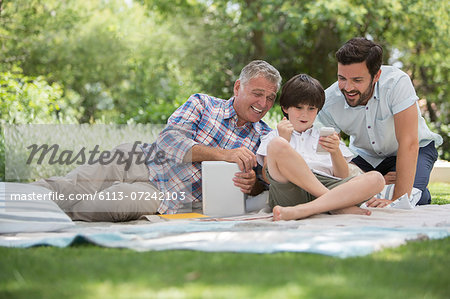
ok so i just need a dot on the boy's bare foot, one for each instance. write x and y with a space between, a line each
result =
352 210
277 213
288 213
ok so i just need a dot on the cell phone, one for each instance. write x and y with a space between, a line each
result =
324 131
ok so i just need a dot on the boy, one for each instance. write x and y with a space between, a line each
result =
302 182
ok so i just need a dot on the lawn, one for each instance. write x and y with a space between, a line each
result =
415 270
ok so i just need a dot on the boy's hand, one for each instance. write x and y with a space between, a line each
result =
330 143
285 129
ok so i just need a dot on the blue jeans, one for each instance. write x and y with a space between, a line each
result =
425 161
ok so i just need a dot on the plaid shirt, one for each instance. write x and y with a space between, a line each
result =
201 120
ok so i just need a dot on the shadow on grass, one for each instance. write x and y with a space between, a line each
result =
416 270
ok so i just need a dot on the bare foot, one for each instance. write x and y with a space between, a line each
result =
352 210
289 213
277 213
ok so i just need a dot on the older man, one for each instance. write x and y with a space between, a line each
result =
203 128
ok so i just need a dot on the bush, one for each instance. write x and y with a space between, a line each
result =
29 100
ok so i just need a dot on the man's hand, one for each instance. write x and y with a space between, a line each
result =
244 158
378 202
285 129
245 181
390 177
330 143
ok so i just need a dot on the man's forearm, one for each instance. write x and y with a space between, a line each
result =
406 170
199 153
408 149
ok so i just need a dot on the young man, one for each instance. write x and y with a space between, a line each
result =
203 128
299 177
377 107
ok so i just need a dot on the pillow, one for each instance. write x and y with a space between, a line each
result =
28 208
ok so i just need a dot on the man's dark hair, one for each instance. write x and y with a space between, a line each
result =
360 49
302 90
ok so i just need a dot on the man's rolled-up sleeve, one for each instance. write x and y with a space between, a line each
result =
178 137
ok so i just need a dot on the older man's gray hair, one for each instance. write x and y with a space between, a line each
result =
260 68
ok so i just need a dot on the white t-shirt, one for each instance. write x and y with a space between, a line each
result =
305 144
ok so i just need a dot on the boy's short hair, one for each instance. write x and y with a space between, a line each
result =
302 90
361 49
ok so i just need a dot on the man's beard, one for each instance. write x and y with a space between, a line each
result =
363 97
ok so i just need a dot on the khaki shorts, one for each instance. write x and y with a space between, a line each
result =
289 194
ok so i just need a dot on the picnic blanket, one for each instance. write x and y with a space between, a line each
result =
335 235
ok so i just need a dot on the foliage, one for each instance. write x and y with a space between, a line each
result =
104 51
136 61
425 54
30 100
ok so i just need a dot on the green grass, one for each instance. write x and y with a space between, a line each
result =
440 193
415 270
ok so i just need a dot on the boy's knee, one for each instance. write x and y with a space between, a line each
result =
375 179
277 145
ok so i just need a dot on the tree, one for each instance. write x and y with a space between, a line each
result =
136 61
31 100
114 55
421 38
